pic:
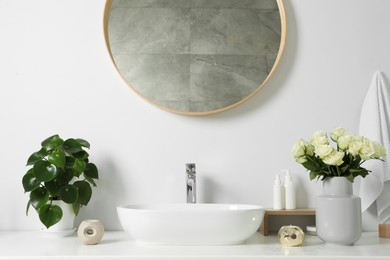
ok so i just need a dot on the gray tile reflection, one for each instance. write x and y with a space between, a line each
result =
149 30
224 77
270 19
184 105
204 106
157 77
252 4
233 31
151 3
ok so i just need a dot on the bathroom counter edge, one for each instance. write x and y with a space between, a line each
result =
119 245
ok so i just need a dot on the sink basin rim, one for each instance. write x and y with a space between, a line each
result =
169 207
190 224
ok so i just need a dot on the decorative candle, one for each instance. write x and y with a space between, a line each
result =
90 231
291 236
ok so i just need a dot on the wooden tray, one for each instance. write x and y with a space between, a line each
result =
269 213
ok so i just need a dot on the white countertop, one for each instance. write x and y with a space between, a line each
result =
119 245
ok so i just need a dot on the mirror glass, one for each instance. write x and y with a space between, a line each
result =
195 57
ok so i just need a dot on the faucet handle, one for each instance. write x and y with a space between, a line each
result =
190 168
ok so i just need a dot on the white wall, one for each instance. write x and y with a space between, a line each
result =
56 77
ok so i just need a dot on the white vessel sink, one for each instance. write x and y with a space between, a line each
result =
190 224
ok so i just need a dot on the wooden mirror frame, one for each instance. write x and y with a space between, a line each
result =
277 60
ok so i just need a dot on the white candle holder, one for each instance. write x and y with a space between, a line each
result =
90 231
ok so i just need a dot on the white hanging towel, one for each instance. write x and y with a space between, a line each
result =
375 125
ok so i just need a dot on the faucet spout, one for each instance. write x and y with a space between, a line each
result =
191 182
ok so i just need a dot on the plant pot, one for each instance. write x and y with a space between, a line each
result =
338 212
66 225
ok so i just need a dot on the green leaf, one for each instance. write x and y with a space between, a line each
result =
37 156
81 155
65 176
90 180
57 158
39 197
358 172
91 171
85 192
344 169
83 143
79 166
313 175
45 171
355 170
69 161
355 162
76 208
53 187
30 182
310 166
72 146
69 193
52 142
350 178
50 215
28 207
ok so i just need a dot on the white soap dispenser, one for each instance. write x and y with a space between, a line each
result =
289 189
278 194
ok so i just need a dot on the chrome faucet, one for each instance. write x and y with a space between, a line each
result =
191 182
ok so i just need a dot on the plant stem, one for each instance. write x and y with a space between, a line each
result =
329 170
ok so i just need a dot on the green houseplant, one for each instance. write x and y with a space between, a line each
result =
60 170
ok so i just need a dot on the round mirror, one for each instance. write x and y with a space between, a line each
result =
195 57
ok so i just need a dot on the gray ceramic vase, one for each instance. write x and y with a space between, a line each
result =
338 212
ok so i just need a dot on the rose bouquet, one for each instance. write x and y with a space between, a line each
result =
325 161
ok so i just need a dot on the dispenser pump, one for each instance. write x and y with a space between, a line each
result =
277 180
288 177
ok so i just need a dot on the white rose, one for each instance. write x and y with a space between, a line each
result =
355 146
367 151
337 133
298 149
379 150
302 148
344 141
319 138
323 150
301 159
335 158
309 149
